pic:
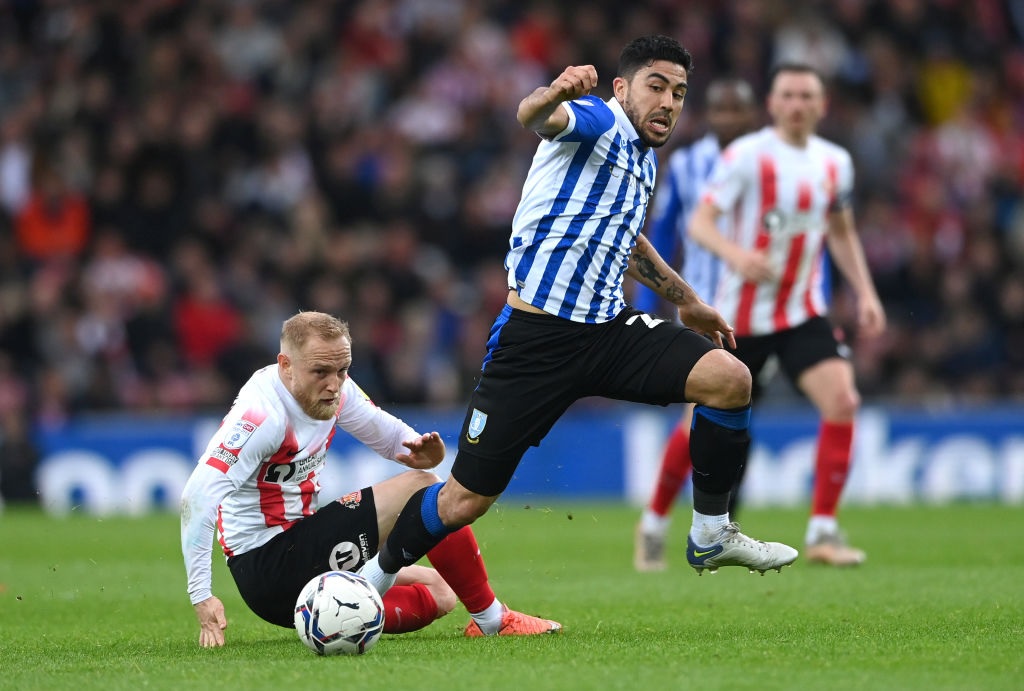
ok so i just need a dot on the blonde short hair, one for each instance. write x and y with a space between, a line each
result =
298 329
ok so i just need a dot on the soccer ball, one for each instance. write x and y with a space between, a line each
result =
339 613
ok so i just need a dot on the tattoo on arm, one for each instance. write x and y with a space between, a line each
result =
675 294
647 269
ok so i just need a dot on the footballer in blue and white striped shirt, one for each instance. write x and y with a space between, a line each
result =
586 194
566 332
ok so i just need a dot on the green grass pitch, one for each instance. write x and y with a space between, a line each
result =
89 603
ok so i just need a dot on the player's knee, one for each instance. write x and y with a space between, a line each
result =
418 479
842 407
719 380
444 596
467 510
460 507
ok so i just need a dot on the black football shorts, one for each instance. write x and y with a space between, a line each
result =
341 536
537 365
797 349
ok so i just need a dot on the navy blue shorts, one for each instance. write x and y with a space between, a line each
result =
537 365
341 536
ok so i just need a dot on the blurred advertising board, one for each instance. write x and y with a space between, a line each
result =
134 464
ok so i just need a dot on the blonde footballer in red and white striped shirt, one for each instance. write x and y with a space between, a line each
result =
258 483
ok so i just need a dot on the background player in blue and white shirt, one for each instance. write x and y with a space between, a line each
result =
731 112
566 331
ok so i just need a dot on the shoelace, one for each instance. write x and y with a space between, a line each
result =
732 529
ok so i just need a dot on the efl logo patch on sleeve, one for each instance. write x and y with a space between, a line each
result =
239 434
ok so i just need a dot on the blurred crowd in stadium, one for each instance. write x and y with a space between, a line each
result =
176 178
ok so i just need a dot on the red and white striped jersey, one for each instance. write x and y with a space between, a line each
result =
260 472
778 197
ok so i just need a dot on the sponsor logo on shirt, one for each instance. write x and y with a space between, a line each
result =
312 462
780 224
221 459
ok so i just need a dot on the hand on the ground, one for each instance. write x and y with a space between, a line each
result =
212 622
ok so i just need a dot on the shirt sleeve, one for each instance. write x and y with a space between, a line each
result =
844 184
244 440
589 118
203 493
728 179
373 426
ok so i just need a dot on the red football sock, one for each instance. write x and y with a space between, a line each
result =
675 469
457 558
408 608
832 467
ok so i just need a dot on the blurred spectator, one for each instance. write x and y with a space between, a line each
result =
176 178
54 222
206 324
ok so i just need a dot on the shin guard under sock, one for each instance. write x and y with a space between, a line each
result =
408 608
417 531
832 466
457 558
719 444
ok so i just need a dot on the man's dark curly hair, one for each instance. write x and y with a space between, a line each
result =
641 52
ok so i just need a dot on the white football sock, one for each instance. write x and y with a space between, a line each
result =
653 524
821 525
707 530
489 620
378 578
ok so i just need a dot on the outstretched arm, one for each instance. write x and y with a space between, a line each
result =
540 112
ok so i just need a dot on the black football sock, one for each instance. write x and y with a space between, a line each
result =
719 443
735 496
416 532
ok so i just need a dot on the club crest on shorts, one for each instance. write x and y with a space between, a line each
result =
477 422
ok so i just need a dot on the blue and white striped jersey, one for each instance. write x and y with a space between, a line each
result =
688 169
583 205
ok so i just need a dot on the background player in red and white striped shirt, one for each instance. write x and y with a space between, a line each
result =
786 193
258 483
